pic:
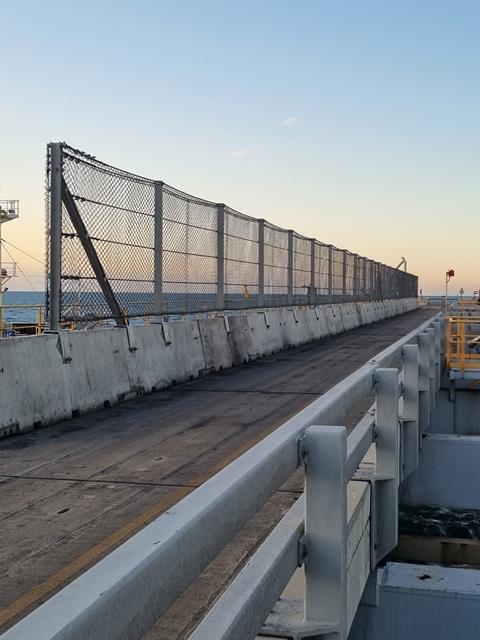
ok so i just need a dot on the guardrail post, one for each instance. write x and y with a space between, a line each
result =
54 291
290 268
437 325
431 364
330 273
220 257
158 248
313 289
385 500
423 385
261 263
409 409
326 529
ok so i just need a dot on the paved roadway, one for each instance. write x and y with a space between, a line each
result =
73 491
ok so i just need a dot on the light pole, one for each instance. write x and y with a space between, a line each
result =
450 273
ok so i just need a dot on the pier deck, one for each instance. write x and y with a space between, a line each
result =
72 492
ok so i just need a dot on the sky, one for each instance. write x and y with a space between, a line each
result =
352 122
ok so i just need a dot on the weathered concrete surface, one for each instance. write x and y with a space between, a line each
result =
73 491
48 378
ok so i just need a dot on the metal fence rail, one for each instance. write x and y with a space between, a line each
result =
122 245
122 596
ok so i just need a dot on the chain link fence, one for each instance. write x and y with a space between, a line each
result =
120 245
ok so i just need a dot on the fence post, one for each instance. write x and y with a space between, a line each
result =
220 257
372 280
385 534
330 273
261 263
355 277
313 289
364 282
326 528
344 280
158 248
290 267
55 235
409 416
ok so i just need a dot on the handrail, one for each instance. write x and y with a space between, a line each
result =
38 325
122 595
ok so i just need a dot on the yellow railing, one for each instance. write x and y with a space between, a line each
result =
462 343
37 326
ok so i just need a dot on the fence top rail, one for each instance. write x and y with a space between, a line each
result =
124 586
83 157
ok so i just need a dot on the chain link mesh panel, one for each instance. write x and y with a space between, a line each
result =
241 260
322 252
276 265
160 253
302 269
189 253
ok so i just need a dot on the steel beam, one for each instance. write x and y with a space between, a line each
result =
92 256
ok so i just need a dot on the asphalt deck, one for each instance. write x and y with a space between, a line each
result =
72 492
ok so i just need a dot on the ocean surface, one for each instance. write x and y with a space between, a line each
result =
20 298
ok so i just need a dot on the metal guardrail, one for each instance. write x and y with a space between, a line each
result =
37 326
462 346
123 595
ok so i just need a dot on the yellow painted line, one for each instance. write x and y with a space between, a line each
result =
27 601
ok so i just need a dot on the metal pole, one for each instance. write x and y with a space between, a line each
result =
364 261
355 277
330 273
158 248
344 274
220 257
326 527
261 263
290 267
55 235
313 291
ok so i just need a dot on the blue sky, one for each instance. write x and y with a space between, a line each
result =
354 122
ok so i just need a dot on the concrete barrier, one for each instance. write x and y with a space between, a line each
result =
51 377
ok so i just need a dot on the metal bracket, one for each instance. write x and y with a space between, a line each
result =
302 450
302 552
286 621
166 333
63 345
130 338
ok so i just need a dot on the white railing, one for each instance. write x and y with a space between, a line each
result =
122 595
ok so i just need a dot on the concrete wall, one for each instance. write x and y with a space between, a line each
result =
421 602
457 413
448 474
51 377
